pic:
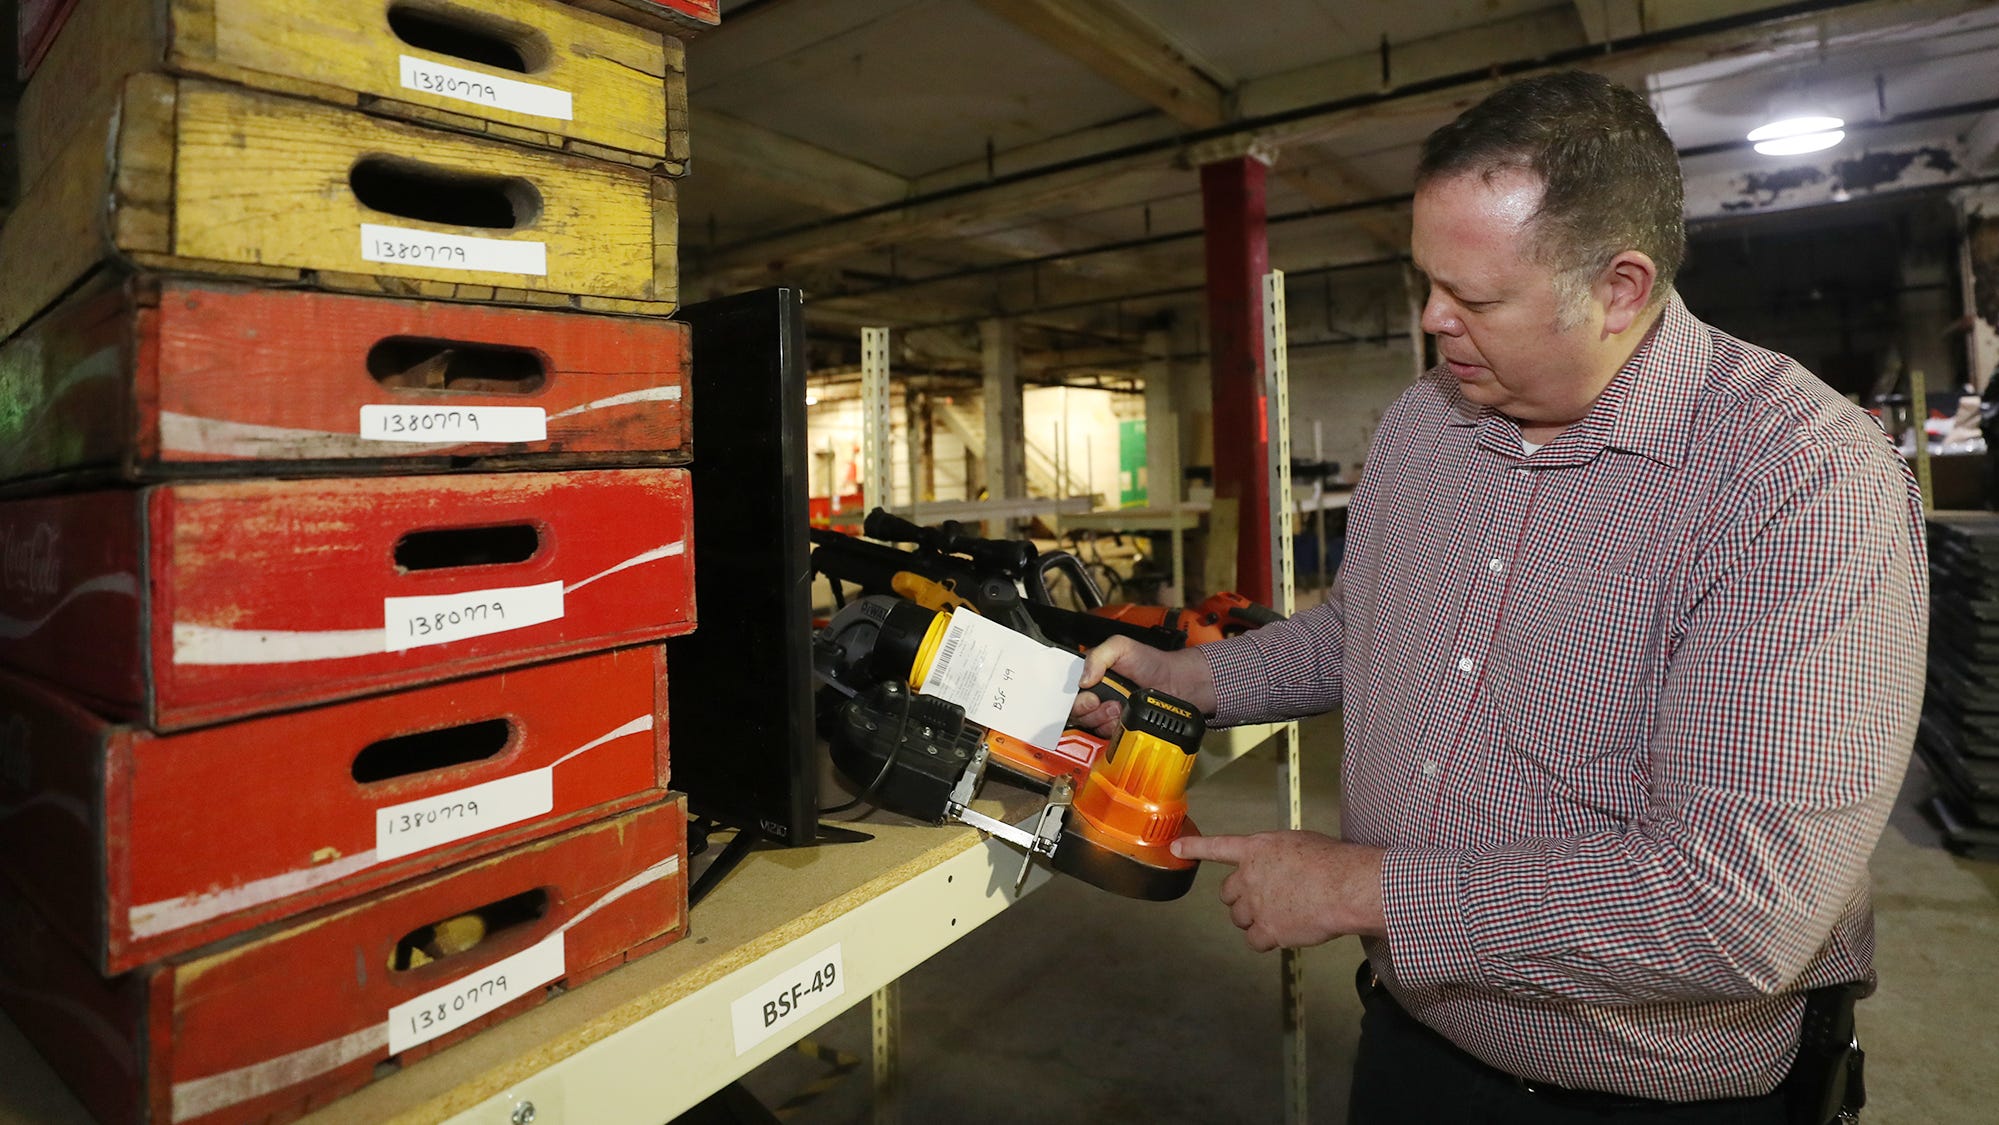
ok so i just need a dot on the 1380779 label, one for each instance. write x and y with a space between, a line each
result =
786 998
454 1005
459 84
427 822
403 246
435 619
447 425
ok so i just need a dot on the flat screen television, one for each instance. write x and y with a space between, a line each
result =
740 686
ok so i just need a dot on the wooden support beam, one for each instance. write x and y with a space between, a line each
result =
1981 142
1539 34
791 169
1324 180
1005 446
1604 20
1126 48
801 172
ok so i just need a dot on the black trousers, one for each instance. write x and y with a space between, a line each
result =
1407 1074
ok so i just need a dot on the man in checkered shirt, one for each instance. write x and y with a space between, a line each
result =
1628 641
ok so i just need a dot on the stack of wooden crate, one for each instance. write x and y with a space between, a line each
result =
340 433
1959 738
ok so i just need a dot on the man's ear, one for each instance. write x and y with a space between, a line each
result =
1625 288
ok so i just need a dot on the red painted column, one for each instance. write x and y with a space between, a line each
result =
1238 255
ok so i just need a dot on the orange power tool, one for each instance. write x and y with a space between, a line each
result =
1114 808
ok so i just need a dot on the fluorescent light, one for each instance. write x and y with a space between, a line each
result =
1793 135
1792 146
1795 127
811 399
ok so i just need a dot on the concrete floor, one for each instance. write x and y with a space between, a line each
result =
1076 1006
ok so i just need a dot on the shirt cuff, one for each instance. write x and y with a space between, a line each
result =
1429 941
1242 680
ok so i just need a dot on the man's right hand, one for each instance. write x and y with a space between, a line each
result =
1184 675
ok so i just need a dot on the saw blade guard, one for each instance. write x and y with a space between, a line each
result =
1127 813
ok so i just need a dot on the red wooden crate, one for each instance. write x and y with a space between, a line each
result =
265 1027
36 24
156 378
187 604
684 18
138 846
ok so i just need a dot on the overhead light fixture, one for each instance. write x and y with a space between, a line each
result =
811 399
1794 135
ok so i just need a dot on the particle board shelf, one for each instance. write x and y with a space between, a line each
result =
654 1038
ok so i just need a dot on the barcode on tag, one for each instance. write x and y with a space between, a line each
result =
435 619
456 1004
947 654
1004 680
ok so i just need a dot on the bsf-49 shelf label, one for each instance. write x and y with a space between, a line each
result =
786 998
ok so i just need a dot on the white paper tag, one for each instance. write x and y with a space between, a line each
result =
1004 680
435 619
416 825
485 89
785 998
405 247
466 999
430 425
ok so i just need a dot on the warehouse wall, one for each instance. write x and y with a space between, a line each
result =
1081 423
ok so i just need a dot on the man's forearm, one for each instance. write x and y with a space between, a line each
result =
1284 670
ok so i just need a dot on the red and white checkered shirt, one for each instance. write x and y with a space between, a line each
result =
1628 713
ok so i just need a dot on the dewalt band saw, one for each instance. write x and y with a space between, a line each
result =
1114 808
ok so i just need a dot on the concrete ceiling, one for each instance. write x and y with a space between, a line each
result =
933 162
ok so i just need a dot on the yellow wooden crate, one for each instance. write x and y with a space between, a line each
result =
193 177
540 72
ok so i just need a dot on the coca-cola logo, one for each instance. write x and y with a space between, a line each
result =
28 559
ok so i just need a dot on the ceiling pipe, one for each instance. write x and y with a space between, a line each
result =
1593 52
1383 201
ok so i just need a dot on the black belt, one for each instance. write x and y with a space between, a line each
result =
1373 995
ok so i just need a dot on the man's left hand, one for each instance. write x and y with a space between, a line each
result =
1295 889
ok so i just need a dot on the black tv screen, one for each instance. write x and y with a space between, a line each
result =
740 686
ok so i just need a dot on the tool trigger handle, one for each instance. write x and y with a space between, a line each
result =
1113 688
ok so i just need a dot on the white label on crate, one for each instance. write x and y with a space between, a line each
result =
405 247
416 825
435 619
432 425
785 998
1005 680
445 1009
485 89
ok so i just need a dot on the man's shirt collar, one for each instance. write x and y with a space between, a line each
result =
1646 409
